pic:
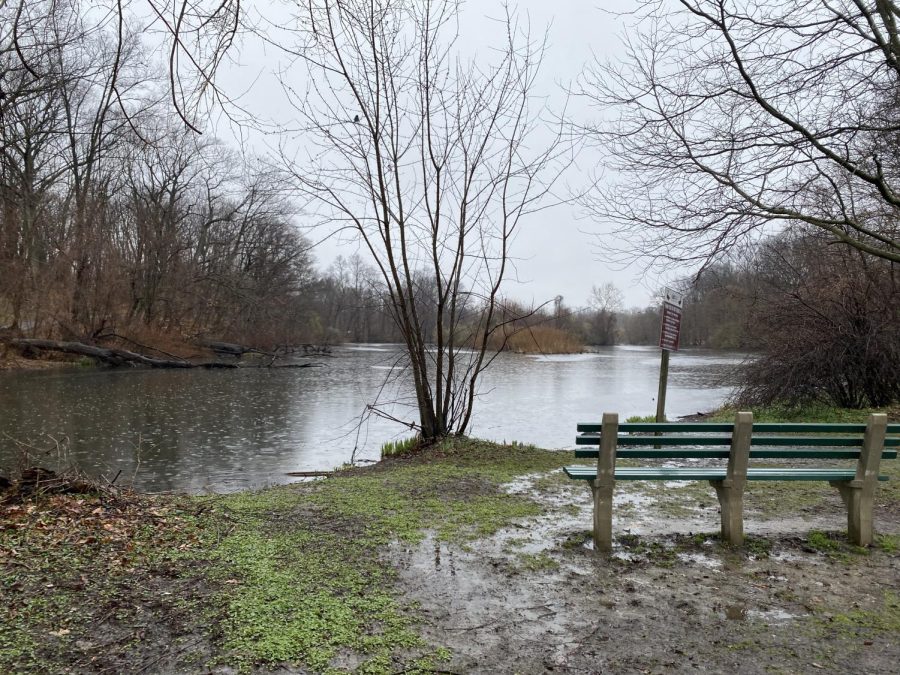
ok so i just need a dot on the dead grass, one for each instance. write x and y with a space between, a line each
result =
539 340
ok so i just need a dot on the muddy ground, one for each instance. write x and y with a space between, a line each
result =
536 598
473 558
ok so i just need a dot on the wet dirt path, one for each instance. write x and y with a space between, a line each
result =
536 598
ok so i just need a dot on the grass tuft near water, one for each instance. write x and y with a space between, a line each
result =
811 412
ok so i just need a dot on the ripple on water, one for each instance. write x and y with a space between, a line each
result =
217 429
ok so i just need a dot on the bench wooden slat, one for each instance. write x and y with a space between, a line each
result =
722 453
714 473
804 474
644 427
771 441
727 427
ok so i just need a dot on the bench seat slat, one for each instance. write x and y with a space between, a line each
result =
722 453
771 441
715 473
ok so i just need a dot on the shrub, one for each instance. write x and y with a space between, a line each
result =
827 322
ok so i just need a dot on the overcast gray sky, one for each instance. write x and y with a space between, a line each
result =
556 250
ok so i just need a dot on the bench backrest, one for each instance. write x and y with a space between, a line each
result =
712 440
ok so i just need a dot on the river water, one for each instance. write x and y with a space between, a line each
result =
223 430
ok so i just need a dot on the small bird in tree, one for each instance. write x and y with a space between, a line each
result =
356 119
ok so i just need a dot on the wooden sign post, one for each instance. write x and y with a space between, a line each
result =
669 333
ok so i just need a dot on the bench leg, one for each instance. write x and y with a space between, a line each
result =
731 505
603 503
859 503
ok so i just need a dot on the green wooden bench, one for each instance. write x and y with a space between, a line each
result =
737 443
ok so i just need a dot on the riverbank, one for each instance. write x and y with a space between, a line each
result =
171 352
473 557
228 430
13 361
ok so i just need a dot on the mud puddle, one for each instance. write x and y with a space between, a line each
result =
536 598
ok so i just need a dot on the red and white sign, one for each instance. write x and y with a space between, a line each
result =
670 330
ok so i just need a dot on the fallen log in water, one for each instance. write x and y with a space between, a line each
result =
289 365
110 355
308 474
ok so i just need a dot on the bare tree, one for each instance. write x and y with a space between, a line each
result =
430 161
729 116
606 303
196 36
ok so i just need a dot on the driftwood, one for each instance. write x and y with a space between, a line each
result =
116 336
308 474
36 480
110 355
229 348
291 365
237 351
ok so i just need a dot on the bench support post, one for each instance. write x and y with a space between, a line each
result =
859 494
602 487
730 491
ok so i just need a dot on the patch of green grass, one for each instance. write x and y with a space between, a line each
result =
301 571
833 544
405 504
648 550
889 543
881 619
537 562
641 419
739 646
300 597
401 446
884 619
758 547
822 542
810 412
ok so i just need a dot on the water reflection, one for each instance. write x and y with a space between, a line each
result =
226 430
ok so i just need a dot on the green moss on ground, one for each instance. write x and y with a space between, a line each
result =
307 585
292 574
884 618
879 619
536 562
